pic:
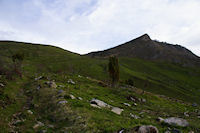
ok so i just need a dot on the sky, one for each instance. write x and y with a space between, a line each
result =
83 26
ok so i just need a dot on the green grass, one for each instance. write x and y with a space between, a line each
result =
158 78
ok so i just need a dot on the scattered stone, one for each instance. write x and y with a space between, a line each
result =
72 97
167 131
127 104
61 91
121 131
39 124
43 131
147 129
50 126
62 102
117 110
191 132
194 104
198 117
134 116
135 104
131 98
80 98
38 78
94 105
79 76
51 84
71 81
143 100
160 119
186 114
29 112
99 103
176 121
38 87
61 86
175 131
2 85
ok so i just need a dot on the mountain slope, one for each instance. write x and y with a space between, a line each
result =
145 48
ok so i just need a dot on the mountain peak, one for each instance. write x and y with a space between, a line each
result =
145 37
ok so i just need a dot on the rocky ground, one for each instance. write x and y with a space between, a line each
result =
73 103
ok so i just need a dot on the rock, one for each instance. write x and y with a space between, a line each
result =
131 98
80 98
191 132
39 124
194 104
38 78
147 129
198 117
43 131
50 126
94 105
2 85
134 116
61 86
71 81
167 131
121 131
99 103
176 121
38 87
127 104
72 97
135 104
160 119
117 110
143 100
62 102
79 76
61 91
175 131
51 84
29 112
186 114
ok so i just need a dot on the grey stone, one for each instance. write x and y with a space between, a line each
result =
134 116
117 110
51 84
62 102
72 97
99 103
127 104
71 81
148 129
176 121
38 78
39 124
2 85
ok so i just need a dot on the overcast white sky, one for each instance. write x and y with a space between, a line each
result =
83 26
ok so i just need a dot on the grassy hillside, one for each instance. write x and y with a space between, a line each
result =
20 94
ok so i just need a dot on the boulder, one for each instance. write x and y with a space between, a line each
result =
80 98
176 121
99 103
117 110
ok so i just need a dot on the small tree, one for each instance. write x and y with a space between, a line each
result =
113 68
